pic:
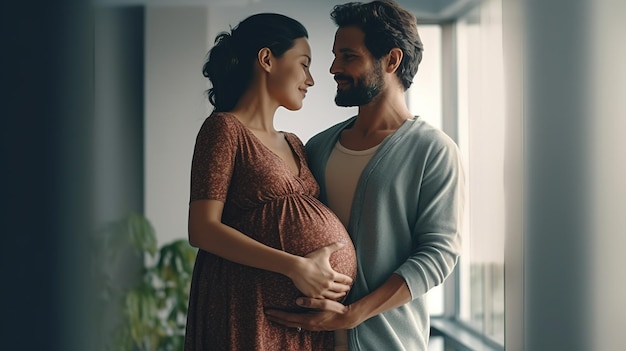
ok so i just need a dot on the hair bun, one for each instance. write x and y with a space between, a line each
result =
230 63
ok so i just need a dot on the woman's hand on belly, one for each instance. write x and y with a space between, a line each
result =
315 277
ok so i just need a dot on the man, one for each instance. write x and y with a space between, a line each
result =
394 181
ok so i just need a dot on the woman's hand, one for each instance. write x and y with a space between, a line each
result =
315 277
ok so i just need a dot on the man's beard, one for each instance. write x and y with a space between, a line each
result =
362 90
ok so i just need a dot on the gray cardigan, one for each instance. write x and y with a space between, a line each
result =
405 219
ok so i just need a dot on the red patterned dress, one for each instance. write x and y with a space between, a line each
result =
266 201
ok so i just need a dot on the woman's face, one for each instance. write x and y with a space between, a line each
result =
290 78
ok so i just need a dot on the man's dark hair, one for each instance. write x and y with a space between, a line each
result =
386 26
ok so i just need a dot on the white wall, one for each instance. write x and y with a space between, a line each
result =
177 40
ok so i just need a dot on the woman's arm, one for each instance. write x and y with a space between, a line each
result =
312 274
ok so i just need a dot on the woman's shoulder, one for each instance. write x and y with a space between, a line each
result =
294 140
219 127
221 119
220 122
292 136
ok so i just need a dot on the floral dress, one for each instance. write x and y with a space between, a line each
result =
265 200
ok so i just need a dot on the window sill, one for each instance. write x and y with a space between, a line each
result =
460 337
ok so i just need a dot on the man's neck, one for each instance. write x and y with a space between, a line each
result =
382 114
375 121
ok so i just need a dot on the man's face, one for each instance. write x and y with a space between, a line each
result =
358 75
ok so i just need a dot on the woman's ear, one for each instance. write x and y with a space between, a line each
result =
264 56
394 59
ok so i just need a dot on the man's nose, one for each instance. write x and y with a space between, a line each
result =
334 67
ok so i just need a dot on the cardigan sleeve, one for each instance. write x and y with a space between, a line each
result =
436 236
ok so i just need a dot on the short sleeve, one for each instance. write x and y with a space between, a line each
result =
213 159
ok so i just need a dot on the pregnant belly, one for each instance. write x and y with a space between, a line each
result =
304 225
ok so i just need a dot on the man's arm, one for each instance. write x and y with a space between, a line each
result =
440 208
333 315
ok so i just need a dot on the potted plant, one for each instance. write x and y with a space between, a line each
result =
143 288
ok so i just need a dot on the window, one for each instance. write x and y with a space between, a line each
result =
481 140
460 89
424 95
424 100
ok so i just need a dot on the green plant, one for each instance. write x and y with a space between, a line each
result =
144 288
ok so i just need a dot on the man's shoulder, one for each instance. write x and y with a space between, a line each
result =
330 132
425 133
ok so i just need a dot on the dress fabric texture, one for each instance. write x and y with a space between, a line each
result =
265 200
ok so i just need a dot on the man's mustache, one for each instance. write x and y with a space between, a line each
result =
342 77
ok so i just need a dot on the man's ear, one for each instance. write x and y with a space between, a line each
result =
394 58
264 56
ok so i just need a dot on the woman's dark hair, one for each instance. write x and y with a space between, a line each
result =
229 66
386 26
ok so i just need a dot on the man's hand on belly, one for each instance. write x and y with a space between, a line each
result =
329 315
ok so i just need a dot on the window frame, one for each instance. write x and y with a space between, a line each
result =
456 333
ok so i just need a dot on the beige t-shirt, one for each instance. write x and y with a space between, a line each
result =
343 170
342 174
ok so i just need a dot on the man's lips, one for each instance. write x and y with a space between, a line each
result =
342 83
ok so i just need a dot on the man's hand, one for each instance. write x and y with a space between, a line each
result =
327 315
331 315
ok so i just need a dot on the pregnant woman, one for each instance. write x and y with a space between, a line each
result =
263 237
